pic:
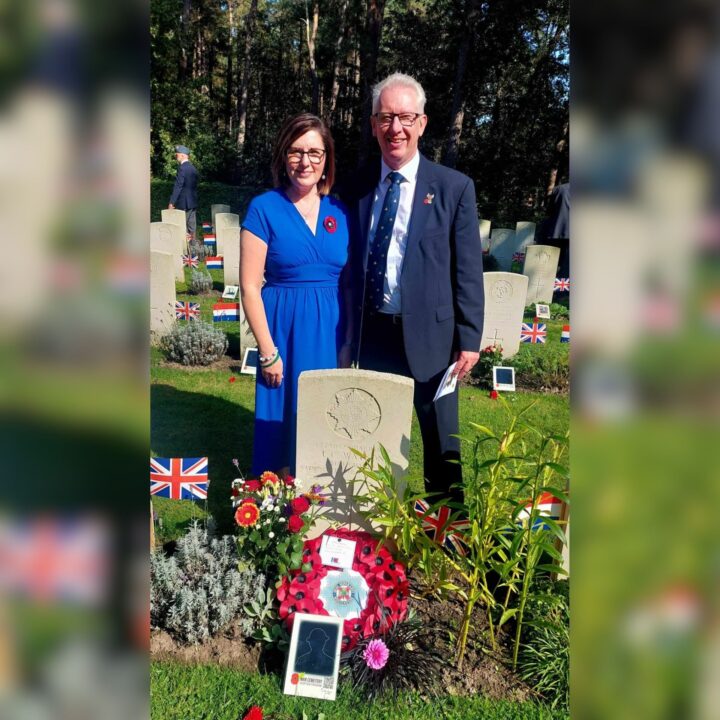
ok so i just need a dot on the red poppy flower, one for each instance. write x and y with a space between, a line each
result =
247 514
232 379
289 480
330 224
295 524
251 485
493 394
254 713
300 505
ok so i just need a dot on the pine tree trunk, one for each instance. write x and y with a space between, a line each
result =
310 37
245 78
375 12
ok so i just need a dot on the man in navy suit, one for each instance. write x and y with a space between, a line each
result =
419 248
184 194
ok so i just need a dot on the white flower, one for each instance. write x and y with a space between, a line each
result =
282 519
271 534
267 522
276 509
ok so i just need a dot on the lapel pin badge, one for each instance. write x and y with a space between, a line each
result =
428 199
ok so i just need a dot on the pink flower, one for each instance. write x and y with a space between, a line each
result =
376 654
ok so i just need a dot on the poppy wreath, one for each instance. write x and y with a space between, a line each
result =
330 224
371 596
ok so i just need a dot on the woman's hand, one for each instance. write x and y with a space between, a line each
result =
273 374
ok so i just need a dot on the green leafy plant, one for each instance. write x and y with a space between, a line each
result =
194 343
544 660
198 592
545 370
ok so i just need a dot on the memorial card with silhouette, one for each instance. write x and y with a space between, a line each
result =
314 656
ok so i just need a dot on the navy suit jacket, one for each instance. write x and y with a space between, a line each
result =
184 194
441 282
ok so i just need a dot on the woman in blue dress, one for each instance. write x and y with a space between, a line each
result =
296 238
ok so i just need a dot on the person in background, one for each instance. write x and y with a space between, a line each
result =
184 194
420 257
296 237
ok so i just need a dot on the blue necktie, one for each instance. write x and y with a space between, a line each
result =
377 262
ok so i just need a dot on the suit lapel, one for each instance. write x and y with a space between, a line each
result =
424 188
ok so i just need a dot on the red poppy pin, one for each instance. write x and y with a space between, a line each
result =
428 199
330 224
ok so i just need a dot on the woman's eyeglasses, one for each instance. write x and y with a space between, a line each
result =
315 156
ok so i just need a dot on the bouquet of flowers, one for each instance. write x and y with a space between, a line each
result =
272 517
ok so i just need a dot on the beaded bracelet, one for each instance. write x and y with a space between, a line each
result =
270 360
267 358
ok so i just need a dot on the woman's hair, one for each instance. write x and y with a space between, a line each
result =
290 131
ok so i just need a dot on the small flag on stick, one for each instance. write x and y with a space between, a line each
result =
214 262
187 310
226 312
179 478
533 332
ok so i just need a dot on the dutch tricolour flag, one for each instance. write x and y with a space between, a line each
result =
214 261
548 506
226 312
565 336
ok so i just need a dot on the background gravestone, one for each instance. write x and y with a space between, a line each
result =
485 234
505 296
504 243
343 409
175 217
162 293
540 266
218 208
524 233
228 242
165 238
224 221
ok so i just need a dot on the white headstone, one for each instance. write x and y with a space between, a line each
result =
176 217
525 233
485 234
218 208
504 243
166 237
343 409
224 221
228 243
162 293
541 262
505 295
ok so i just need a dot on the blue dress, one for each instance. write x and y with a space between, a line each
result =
304 311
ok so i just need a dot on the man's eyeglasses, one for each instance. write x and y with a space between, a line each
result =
406 119
315 156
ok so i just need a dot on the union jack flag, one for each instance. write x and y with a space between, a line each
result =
187 310
533 332
190 260
562 284
518 257
54 559
443 531
179 478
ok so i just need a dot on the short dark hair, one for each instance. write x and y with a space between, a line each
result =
290 131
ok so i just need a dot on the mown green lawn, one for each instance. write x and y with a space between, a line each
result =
200 692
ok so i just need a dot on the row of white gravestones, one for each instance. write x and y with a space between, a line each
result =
342 410
169 238
162 293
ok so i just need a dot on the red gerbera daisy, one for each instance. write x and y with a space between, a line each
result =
247 514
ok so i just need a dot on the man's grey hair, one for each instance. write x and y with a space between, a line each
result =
400 80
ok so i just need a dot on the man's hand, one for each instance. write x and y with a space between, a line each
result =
171 206
465 360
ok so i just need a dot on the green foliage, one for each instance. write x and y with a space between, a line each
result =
194 343
558 311
542 367
490 263
201 282
180 692
197 593
482 372
544 660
